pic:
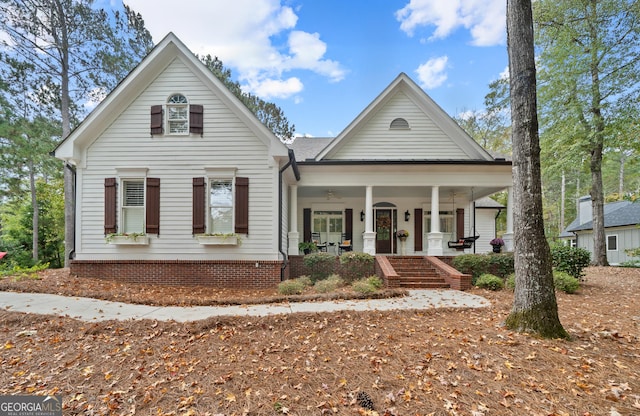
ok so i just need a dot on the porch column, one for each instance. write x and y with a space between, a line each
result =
508 236
369 236
434 238
294 235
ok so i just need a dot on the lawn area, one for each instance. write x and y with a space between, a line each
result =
423 362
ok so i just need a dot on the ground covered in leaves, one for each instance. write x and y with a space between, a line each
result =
423 362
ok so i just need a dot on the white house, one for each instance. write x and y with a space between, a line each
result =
621 228
178 182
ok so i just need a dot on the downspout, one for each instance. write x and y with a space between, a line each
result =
296 172
72 253
475 228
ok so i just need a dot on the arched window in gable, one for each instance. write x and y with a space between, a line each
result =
178 114
399 124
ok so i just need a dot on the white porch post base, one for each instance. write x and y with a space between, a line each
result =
294 240
435 244
508 241
369 242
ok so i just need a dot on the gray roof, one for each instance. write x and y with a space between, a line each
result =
616 214
487 202
309 147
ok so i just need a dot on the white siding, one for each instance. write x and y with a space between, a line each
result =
424 139
485 226
227 143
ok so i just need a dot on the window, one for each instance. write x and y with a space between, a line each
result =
178 114
446 221
328 224
132 214
612 243
182 118
399 124
220 204
136 209
220 207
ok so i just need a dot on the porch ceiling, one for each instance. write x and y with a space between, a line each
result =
388 192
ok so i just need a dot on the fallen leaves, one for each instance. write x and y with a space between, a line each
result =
455 362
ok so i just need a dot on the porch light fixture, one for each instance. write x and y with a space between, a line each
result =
361 216
407 215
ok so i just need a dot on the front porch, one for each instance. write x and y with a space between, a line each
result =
436 218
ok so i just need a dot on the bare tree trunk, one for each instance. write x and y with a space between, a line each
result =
36 213
623 159
534 308
562 198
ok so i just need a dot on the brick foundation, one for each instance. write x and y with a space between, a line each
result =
239 274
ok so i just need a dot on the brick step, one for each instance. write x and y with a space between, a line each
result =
417 282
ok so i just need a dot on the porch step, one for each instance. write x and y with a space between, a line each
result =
415 273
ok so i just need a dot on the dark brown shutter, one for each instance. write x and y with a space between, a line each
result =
110 205
196 119
153 206
460 223
242 205
417 229
348 223
306 224
156 119
199 205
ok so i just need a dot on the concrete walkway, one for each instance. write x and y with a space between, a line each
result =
93 310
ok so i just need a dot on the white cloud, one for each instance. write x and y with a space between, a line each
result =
432 73
485 19
256 38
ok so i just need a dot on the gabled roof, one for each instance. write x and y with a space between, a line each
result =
429 108
165 52
616 214
308 147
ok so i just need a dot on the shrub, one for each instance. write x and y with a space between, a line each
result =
630 263
473 264
510 281
571 260
565 282
329 284
501 264
320 265
306 280
291 287
490 281
375 281
365 286
356 265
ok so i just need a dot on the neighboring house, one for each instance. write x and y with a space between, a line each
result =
622 229
178 182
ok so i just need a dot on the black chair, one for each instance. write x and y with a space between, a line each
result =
345 245
315 238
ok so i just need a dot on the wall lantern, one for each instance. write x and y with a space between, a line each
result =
407 215
361 216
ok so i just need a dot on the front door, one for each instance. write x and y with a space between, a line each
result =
384 231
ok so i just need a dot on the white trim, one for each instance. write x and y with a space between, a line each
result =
133 173
617 242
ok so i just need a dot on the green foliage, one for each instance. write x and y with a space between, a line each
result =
307 245
16 217
490 281
320 265
630 263
291 287
510 281
356 265
478 264
633 252
571 260
19 273
501 264
306 280
375 281
473 264
363 286
329 284
565 282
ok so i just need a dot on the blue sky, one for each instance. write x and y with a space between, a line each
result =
324 61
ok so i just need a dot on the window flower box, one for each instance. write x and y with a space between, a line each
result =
128 239
218 239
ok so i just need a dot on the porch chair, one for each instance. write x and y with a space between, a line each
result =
315 237
345 245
